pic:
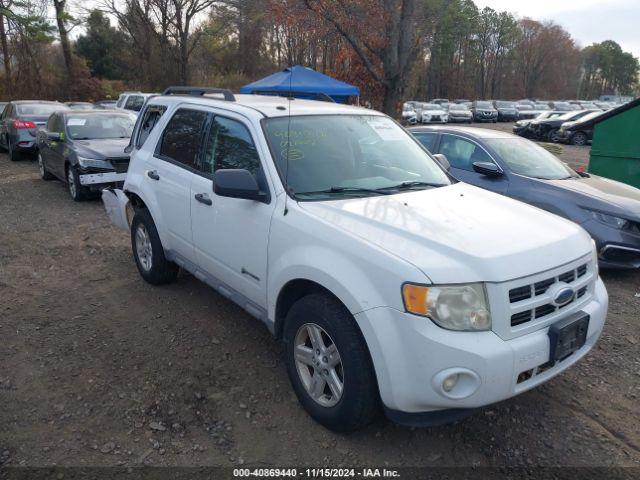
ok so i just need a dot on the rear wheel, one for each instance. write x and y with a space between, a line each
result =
44 173
579 139
148 251
329 364
14 156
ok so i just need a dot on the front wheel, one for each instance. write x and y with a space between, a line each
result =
579 139
554 135
329 365
148 251
76 190
44 173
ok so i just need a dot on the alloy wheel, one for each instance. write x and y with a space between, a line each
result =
72 182
144 248
319 365
41 165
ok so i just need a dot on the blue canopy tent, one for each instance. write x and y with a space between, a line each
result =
302 82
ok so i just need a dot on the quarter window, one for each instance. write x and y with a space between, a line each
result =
182 137
230 146
149 120
427 139
462 153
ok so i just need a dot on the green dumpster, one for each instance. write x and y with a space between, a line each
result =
615 150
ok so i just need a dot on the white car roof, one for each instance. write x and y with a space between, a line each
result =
268 106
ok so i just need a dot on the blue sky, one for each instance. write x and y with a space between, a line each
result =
588 21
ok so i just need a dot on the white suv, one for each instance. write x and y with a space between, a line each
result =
392 285
133 101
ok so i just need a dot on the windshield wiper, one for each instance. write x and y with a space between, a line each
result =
346 190
406 185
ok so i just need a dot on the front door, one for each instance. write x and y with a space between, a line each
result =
231 235
462 153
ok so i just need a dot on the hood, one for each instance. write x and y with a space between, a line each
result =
621 195
462 113
459 233
102 148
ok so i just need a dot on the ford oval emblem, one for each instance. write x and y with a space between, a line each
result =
563 296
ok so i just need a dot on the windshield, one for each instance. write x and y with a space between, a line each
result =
366 154
570 115
501 104
542 106
483 105
39 109
458 107
431 106
529 159
92 127
524 106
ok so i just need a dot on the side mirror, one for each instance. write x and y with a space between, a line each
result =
443 161
489 169
238 183
54 136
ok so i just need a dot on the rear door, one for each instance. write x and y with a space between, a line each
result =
170 173
231 235
462 153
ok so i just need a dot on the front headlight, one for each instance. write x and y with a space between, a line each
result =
93 163
454 307
610 220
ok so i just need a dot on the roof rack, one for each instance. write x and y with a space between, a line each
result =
200 91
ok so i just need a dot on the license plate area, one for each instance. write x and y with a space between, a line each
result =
567 336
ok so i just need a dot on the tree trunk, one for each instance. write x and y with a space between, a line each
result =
392 98
64 42
5 56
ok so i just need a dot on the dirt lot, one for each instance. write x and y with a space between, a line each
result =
98 368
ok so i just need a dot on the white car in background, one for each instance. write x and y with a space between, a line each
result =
433 113
391 285
133 101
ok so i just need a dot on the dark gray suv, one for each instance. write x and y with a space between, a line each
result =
19 123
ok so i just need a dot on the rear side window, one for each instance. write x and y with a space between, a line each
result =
149 119
427 139
229 146
462 153
181 138
134 103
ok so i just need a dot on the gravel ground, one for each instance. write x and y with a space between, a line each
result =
98 368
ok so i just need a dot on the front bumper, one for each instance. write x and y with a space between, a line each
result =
617 249
411 355
99 179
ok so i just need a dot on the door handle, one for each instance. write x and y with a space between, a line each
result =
152 174
203 198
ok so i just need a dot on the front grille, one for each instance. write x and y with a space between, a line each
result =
120 165
538 291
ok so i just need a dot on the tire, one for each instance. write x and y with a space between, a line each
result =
152 264
76 190
3 148
44 173
357 404
552 136
579 139
13 155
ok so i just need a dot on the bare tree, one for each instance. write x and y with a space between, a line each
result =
388 53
